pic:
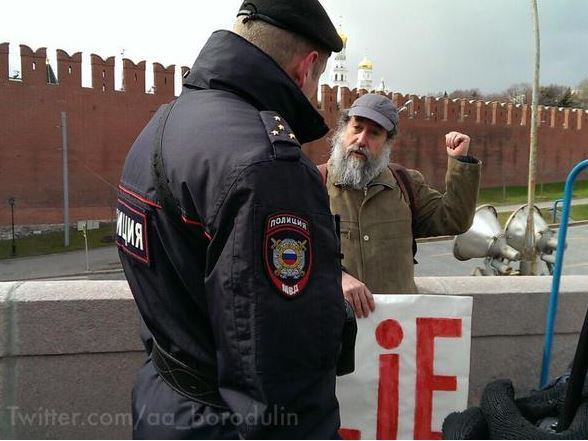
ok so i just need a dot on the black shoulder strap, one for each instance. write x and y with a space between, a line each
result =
164 194
405 184
170 205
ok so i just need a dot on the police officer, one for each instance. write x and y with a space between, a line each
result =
228 244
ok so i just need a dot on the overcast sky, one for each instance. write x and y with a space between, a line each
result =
417 46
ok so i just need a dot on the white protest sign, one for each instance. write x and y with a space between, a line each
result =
412 363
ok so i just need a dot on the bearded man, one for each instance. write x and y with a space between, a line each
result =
383 207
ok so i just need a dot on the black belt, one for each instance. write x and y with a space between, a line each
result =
185 380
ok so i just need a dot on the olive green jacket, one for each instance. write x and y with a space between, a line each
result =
376 223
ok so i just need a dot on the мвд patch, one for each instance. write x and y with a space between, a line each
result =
288 253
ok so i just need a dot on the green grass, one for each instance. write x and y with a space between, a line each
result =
516 195
503 217
49 243
579 213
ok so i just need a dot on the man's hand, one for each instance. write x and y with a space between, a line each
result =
358 295
457 144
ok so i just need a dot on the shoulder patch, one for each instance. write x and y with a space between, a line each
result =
132 231
288 253
280 135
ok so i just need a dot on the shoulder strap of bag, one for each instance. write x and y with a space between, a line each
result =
167 200
405 184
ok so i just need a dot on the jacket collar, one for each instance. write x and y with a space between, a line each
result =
385 178
229 62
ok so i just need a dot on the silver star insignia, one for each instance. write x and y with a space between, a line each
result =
292 136
275 132
281 127
277 118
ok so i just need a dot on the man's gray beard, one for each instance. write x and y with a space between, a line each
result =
354 172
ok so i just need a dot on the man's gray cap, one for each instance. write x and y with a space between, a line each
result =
377 108
303 17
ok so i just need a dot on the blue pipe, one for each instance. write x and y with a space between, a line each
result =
561 244
555 204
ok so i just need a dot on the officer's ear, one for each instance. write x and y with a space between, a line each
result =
303 73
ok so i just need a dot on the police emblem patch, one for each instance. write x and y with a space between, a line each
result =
288 253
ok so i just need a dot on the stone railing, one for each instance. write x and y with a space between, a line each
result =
69 351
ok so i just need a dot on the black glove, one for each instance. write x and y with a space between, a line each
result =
549 401
501 417
469 424
544 403
505 420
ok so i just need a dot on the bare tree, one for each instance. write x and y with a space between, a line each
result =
555 95
581 93
519 93
470 94
582 88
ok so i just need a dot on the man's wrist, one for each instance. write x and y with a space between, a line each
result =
466 158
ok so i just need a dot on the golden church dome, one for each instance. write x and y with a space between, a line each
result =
343 36
366 64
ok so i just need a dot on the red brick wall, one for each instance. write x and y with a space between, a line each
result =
499 132
102 124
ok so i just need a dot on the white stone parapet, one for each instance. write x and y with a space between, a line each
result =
70 350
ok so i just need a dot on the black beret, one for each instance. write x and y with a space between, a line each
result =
303 17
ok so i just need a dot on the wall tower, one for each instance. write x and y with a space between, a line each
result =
364 75
338 76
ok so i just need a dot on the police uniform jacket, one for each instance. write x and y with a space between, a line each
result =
247 285
377 227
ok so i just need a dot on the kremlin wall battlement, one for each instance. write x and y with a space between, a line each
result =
103 122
